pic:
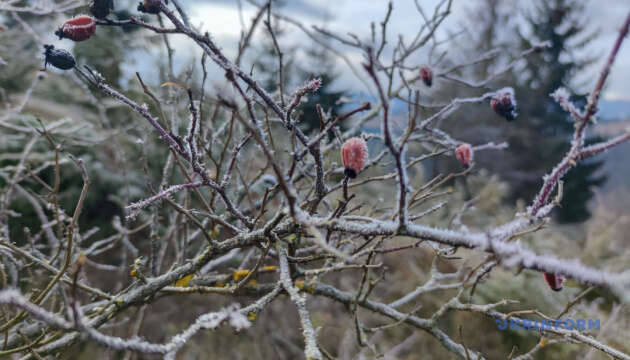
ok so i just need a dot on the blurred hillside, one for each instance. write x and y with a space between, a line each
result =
617 166
614 110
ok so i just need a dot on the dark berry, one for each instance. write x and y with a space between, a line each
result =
59 58
503 103
149 6
101 8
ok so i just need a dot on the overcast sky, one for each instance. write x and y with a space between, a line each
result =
221 19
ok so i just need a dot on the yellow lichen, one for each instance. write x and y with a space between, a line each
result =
215 231
543 341
238 274
300 284
270 268
252 282
183 282
252 316
133 272
220 284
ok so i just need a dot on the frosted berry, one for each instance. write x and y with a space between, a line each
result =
504 103
354 153
77 29
426 74
150 6
555 281
464 154
101 8
59 58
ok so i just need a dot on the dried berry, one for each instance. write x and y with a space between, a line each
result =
77 29
354 153
555 281
101 8
150 6
504 103
426 74
59 58
464 154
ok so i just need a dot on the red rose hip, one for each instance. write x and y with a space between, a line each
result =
555 281
354 153
464 154
426 74
78 28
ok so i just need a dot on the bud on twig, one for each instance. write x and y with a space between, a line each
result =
81 260
313 85
354 153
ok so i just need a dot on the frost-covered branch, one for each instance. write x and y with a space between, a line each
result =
311 350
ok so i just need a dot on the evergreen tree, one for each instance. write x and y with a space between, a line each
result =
314 62
320 65
539 138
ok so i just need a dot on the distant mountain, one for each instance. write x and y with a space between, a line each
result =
614 110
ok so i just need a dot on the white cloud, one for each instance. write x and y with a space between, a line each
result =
221 19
